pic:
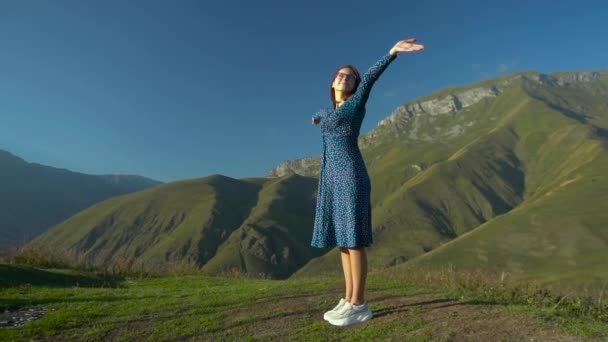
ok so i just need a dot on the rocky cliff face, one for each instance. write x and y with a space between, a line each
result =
565 78
308 166
407 118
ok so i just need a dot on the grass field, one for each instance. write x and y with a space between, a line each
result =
86 307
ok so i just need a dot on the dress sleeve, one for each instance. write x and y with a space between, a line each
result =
371 76
322 113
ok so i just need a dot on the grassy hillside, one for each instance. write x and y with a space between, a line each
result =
274 239
218 223
558 233
164 223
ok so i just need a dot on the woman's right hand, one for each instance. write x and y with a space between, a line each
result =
316 120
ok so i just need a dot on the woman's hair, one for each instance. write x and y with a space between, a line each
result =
357 81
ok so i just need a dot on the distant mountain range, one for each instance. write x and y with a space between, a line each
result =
506 174
34 197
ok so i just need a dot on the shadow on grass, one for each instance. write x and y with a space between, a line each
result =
427 305
18 275
265 316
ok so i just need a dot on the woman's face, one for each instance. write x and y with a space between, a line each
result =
344 80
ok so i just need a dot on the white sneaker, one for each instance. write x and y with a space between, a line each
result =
329 313
350 314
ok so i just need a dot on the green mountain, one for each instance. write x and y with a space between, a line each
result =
218 223
34 197
505 174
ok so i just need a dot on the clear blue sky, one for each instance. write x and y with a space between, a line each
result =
184 89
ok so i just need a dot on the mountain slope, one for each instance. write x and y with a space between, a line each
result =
559 233
216 222
275 238
34 197
166 223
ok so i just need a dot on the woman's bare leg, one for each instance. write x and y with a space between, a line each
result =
348 279
358 271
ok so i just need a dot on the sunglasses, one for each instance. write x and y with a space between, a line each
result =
347 77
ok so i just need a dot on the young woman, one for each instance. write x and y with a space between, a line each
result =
343 212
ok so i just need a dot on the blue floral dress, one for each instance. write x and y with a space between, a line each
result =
343 213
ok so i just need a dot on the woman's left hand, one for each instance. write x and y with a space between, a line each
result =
406 45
